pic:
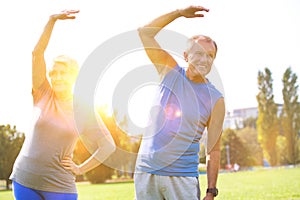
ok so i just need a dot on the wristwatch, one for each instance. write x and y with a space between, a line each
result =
214 191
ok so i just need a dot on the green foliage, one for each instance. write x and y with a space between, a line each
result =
282 150
248 137
267 122
100 174
10 145
244 147
250 122
290 116
238 152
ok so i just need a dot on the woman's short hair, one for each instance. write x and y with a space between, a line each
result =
69 62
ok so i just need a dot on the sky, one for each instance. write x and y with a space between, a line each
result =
251 35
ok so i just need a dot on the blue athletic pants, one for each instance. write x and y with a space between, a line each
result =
24 193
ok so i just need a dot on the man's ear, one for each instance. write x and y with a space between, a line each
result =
185 55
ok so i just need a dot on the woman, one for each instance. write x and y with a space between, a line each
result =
44 168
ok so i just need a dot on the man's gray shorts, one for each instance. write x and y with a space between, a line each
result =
156 187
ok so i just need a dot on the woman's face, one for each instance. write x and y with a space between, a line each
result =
61 78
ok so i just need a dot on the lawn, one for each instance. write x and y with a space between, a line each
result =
258 184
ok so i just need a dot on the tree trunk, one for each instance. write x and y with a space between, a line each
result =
7 184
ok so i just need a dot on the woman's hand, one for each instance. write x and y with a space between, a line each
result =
65 14
68 164
192 11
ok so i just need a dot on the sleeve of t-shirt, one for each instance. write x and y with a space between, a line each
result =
175 70
42 91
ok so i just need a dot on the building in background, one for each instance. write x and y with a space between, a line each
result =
236 118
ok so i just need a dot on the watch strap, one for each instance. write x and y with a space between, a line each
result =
213 191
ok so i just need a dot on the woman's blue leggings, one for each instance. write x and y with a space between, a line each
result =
24 193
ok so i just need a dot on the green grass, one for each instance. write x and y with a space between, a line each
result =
109 191
259 184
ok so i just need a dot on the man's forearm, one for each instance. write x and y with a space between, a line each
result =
213 163
165 19
162 21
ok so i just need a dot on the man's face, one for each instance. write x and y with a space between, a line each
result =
61 78
201 56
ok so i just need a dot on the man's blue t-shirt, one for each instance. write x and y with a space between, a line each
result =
170 145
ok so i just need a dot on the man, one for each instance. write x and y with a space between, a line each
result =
167 163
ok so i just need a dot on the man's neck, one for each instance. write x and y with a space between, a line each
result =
196 79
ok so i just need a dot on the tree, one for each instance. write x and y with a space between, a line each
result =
290 116
10 145
250 122
238 152
282 150
248 136
267 123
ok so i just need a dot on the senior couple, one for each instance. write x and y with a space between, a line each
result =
167 162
